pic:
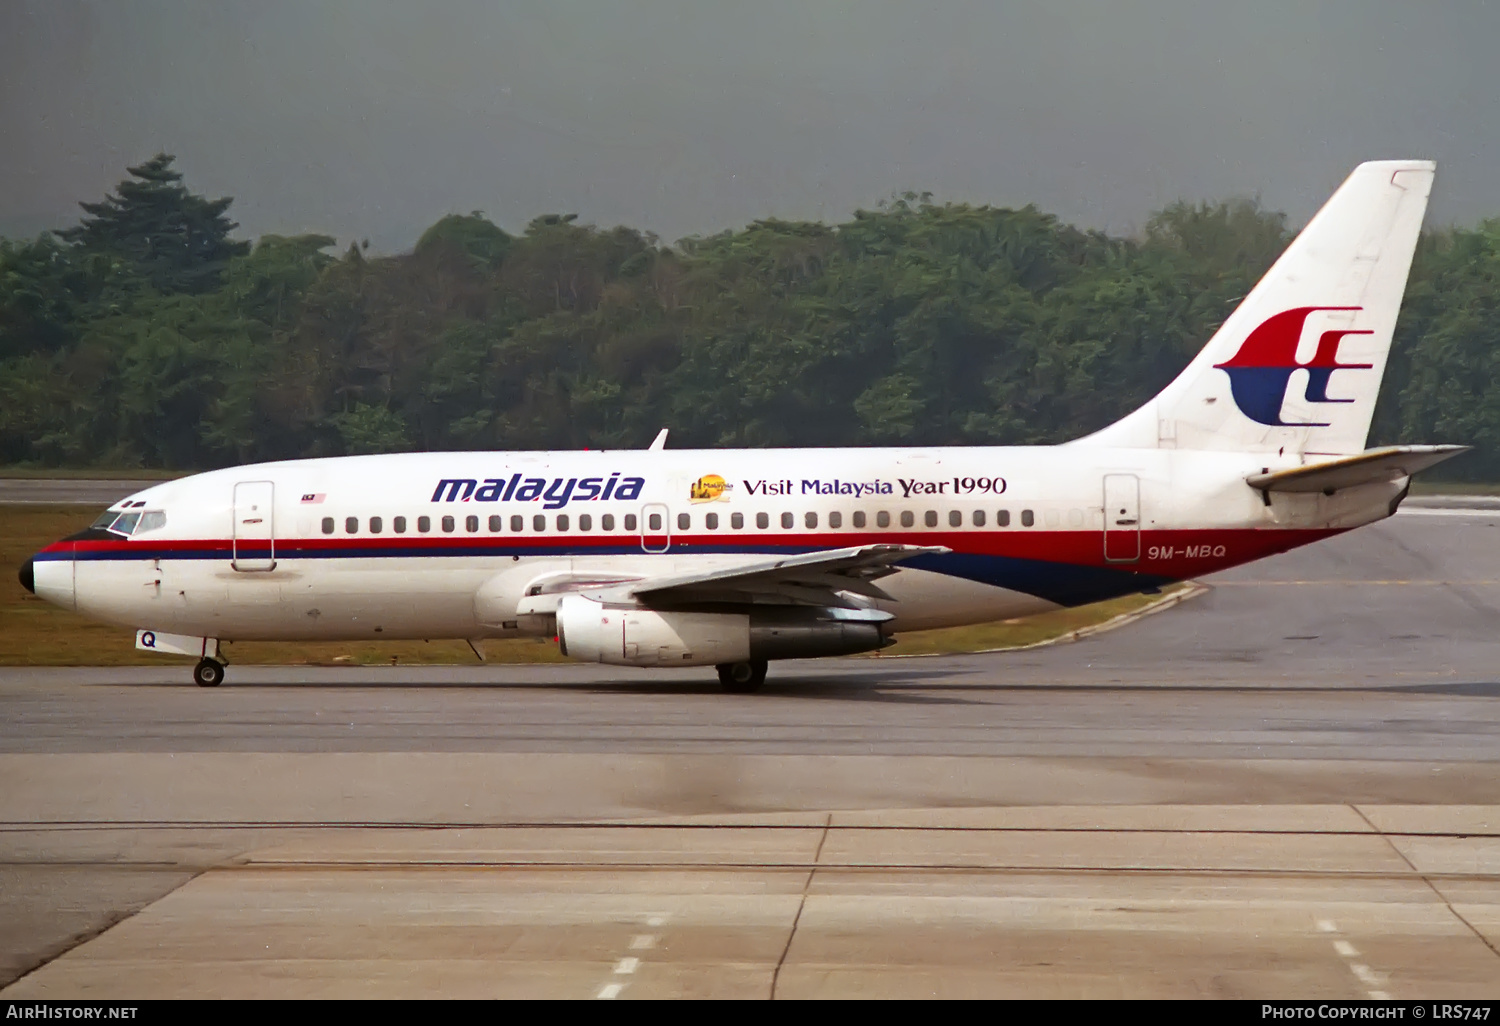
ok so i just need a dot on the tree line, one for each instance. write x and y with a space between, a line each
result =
146 336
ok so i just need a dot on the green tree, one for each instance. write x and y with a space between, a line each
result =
470 234
178 240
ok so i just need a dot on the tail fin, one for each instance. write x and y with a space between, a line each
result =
1266 381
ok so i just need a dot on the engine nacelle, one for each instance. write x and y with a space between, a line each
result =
590 631
596 633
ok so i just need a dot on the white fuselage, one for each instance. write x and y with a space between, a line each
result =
446 545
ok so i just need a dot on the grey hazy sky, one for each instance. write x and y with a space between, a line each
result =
373 118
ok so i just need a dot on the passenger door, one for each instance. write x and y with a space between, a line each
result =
1122 518
254 526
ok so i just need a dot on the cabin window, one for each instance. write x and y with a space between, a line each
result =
979 518
376 524
1075 518
930 518
654 521
517 524
711 521
882 519
398 524
630 521
539 523
1027 518
955 518
788 521
684 521
607 522
351 525
497 524
762 520
737 521
585 522
448 525
562 521
1003 518
1053 518
328 525
424 524
810 520
859 519
835 520
471 524
908 518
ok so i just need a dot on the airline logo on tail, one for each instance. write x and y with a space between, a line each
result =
1260 372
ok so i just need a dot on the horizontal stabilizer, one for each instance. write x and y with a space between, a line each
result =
1388 463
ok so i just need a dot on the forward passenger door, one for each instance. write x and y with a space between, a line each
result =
254 535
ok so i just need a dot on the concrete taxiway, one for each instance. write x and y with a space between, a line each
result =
1287 787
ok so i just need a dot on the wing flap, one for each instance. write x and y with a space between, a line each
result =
1389 463
810 578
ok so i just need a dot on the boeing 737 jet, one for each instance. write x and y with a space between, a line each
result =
733 558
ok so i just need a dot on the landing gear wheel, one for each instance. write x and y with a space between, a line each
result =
209 673
742 678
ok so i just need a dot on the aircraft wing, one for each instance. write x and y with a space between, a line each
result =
811 578
1384 464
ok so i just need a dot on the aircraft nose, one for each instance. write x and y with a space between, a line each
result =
28 576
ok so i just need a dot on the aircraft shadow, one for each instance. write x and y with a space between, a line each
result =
925 688
1471 689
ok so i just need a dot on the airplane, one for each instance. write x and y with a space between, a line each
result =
733 558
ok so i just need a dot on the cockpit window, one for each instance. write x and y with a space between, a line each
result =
129 523
125 524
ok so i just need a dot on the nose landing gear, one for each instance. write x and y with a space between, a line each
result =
209 673
742 678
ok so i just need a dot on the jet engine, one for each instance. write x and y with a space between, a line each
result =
591 631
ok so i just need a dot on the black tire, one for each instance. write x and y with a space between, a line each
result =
742 678
209 673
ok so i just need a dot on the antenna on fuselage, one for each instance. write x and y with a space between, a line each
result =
660 443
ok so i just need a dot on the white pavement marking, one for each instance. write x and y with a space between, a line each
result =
628 965
1365 975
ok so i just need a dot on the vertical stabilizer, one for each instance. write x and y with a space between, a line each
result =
1297 367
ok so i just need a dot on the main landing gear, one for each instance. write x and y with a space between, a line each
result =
742 678
209 673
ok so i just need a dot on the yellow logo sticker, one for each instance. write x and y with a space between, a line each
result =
710 488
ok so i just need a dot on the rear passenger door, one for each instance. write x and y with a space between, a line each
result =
1122 518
